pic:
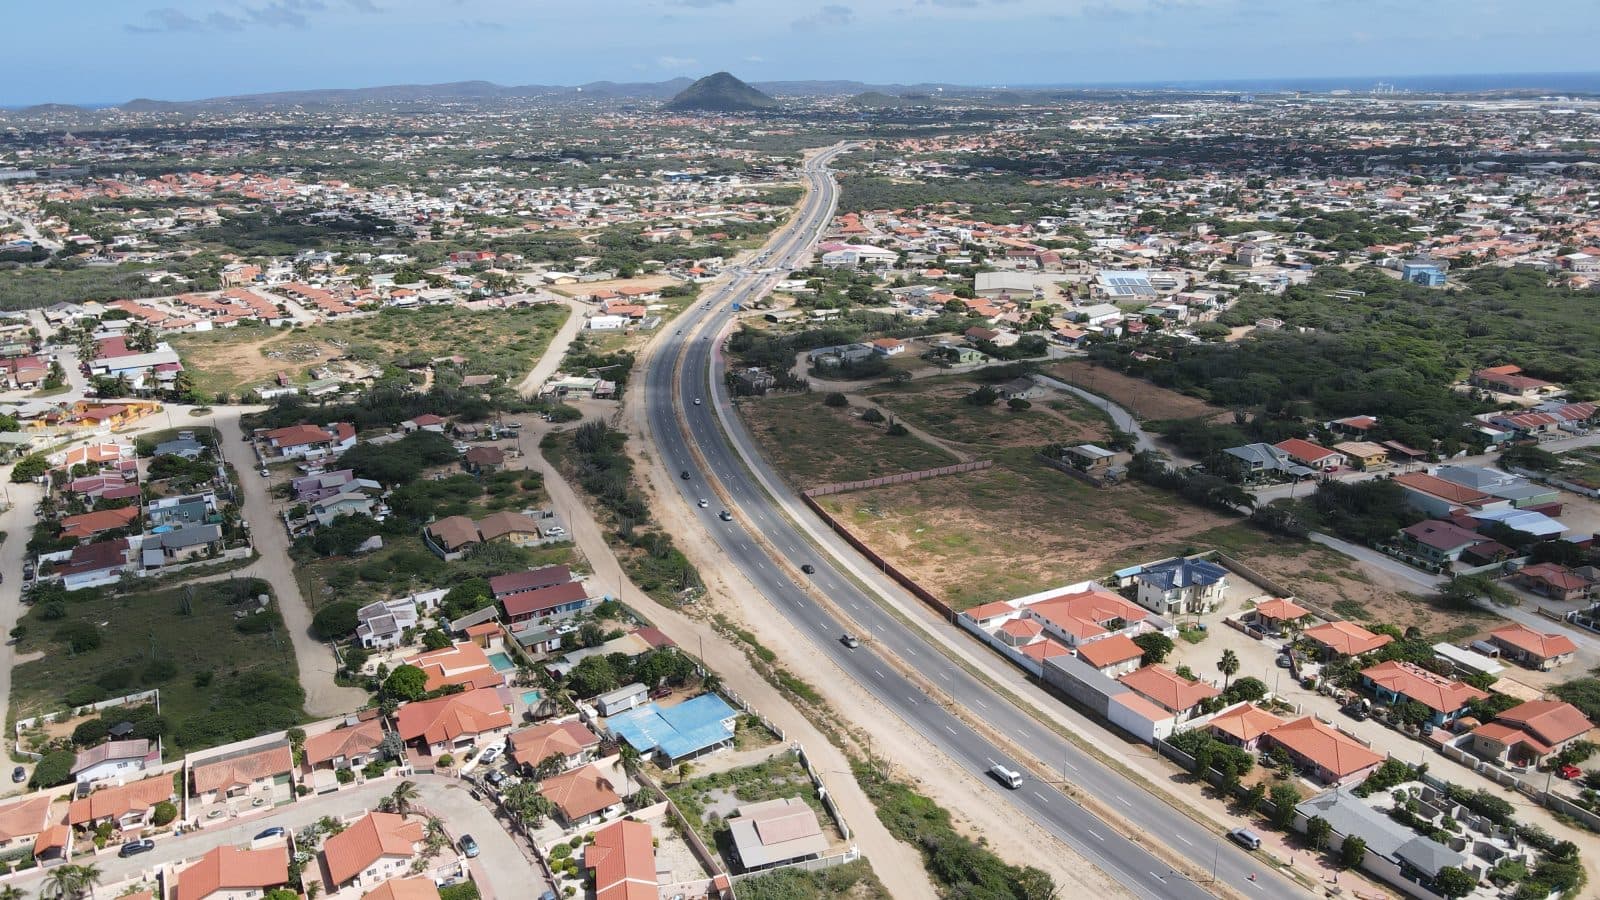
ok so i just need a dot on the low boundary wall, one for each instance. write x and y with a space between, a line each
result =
823 490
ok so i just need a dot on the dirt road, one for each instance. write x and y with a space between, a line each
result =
550 362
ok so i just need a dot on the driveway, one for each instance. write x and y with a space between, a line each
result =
502 865
550 362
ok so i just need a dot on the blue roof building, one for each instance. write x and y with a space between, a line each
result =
1425 272
677 732
1181 585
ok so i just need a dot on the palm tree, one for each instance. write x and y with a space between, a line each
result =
1228 665
404 795
313 888
11 892
628 756
71 881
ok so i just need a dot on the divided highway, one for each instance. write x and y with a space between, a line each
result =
691 409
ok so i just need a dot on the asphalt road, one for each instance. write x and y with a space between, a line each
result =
931 716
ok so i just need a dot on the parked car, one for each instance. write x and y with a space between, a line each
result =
469 847
266 472
273 832
18 775
136 847
1283 661
495 777
1357 709
1245 838
704 503
1569 772
489 756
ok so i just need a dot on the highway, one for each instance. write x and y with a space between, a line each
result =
691 410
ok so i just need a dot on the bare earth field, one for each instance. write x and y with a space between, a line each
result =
651 282
1143 399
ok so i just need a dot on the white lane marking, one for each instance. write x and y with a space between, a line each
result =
911 650
1069 765
981 703
1042 798
911 698
944 676
1156 877
877 673
1256 885
1123 800
1184 839
949 729
1096 834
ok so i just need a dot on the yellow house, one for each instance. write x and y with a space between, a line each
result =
509 527
1364 454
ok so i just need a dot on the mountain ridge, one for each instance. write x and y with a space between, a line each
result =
720 92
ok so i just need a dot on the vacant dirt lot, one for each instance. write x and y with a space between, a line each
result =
936 405
653 282
1143 399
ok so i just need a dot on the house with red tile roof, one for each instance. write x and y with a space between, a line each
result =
127 806
1275 614
1396 682
1553 580
1086 614
1341 639
1529 733
1308 454
251 771
453 721
376 847
622 859
1510 381
228 873
1439 541
1322 752
1434 496
310 441
404 889
1113 656
89 524
23 820
572 741
1169 690
1534 649
1243 725
344 748
463 663
582 796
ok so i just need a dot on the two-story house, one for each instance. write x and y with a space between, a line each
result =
376 847
1179 586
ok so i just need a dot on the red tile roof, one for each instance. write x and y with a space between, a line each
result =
1333 750
1550 720
1109 651
1304 451
1346 638
242 771
401 889
346 742
1534 643
1245 722
229 868
1083 613
1167 688
372 837
449 717
579 793
116 802
1416 683
623 858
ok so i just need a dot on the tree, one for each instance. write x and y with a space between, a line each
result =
1318 832
1250 801
550 766
1464 592
1353 852
392 746
336 620
55 768
1156 646
406 682
1228 665
1017 404
29 467
71 881
1453 882
983 396
836 400
405 794
163 813
1284 800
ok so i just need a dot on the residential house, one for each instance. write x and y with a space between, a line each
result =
179 545
1342 639
1396 682
582 796
1020 388
354 498
674 733
622 860
228 873
1434 496
453 721
509 527
1113 657
560 600
887 346
1553 580
22 821
310 441
1520 492
1312 455
1426 272
572 741
128 807
1243 725
89 524
503 586
776 832
1181 585
250 771
1510 381
1534 649
483 459
1439 541
424 422
114 760
1091 458
1279 614
462 663
1394 852
1083 615
404 889
376 847
350 747
452 536
382 624
1169 690
1322 752
1260 460
92 565
1365 455
1529 733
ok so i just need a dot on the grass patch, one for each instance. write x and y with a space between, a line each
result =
811 443
1194 635
852 881
707 801
405 565
194 649
1353 610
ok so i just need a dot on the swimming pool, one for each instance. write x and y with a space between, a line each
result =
501 662
529 698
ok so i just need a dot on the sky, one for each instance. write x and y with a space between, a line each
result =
110 51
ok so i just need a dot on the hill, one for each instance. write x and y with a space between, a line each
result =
721 93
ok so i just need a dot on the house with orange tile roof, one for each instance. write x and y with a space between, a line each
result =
344 748
572 741
1553 580
1322 752
582 796
1113 656
1169 690
1313 455
228 873
403 889
1529 733
239 774
1341 639
127 806
622 859
89 524
1534 649
453 721
1434 496
1243 725
1509 381
1396 682
464 663
22 821
376 847
1275 614
1085 614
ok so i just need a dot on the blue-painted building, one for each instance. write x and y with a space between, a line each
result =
1425 272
